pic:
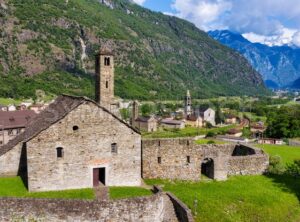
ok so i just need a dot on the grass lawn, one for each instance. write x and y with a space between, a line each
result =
7 101
14 187
128 192
241 198
187 132
206 141
287 153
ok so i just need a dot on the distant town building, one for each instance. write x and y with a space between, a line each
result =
172 124
147 124
207 114
270 141
231 119
11 108
13 123
188 104
194 121
37 108
235 132
3 108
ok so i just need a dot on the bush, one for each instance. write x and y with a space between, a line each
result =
276 166
211 142
210 134
294 169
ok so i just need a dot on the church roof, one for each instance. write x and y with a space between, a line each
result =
56 111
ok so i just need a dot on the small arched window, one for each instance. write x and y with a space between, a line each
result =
59 152
106 84
75 128
107 61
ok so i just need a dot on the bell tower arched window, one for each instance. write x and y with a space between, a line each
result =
107 61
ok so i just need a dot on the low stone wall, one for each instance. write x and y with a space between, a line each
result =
294 143
183 213
155 208
182 159
248 165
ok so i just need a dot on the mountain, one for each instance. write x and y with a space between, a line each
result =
278 65
296 84
50 45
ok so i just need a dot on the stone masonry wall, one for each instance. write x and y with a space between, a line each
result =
84 149
248 165
182 158
10 163
156 208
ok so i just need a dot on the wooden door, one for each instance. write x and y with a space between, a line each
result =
96 177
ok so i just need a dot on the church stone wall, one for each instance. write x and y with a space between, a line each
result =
11 163
156 208
182 159
84 149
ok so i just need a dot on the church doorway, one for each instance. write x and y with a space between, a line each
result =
207 168
99 176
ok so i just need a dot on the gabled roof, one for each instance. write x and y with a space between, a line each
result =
144 119
15 119
56 111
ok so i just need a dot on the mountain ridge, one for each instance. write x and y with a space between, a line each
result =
277 64
51 46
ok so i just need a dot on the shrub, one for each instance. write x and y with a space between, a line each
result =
294 169
211 142
276 166
210 134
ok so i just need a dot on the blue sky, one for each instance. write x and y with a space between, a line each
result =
272 22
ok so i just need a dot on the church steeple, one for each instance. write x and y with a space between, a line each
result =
188 104
105 77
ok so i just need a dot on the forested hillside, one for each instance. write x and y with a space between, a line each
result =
50 45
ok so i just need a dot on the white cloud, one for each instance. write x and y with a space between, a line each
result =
271 21
140 2
296 39
284 37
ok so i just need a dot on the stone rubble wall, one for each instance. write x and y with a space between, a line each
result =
248 165
156 208
10 162
173 155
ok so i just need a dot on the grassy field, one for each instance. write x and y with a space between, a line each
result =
14 187
7 101
287 153
240 199
207 141
187 132
128 192
272 198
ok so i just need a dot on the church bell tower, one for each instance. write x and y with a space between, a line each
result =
188 104
105 78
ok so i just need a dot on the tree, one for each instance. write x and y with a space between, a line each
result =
219 116
147 109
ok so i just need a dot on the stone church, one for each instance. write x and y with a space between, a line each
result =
77 142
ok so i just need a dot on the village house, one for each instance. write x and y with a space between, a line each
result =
38 108
3 108
199 116
231 119
270 141
170 123
194 121
146 124
11 108
235 132
208 115
13 123
77 143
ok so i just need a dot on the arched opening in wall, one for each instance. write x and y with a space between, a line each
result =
75 128
207 168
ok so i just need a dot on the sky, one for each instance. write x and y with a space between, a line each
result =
271 22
